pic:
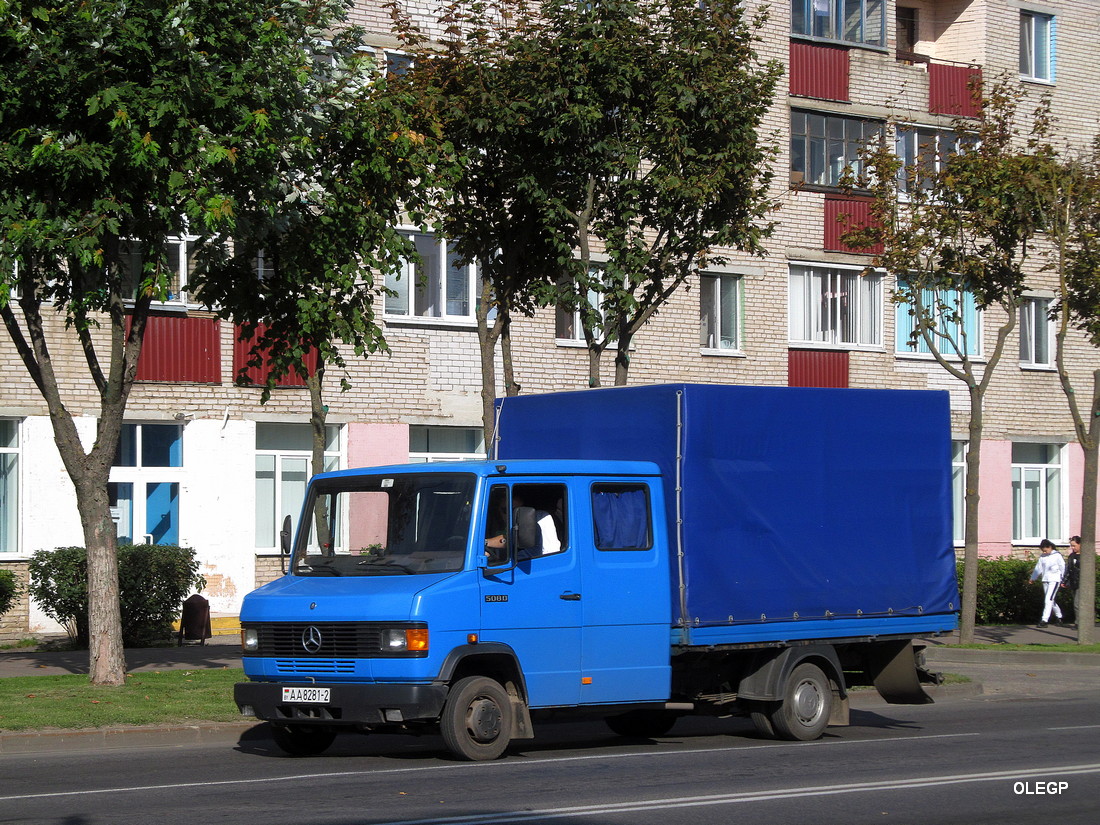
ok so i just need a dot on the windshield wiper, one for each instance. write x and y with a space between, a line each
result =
381 563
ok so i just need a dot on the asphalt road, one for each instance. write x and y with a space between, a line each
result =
1030 756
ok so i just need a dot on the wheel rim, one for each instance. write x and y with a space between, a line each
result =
808 702
483 719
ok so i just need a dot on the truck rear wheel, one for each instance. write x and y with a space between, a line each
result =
302 740
476 722
807 704
642 724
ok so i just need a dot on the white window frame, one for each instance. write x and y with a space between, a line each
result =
720 321
904 344
958 490
334 460
11 501
437 454
181 298
573 324
427 300
140 477
1037 29
922 147
1036 334
816 315
1052 479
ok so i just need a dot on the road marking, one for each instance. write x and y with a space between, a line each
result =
753 796
1077 727
497 765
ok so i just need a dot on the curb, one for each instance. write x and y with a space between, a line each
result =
962 655
119 738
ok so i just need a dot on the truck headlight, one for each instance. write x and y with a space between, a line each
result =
402 640
250 639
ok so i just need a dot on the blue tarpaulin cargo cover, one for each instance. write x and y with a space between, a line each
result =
796 504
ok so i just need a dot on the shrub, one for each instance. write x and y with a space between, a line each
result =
153 581
9 589
1006 596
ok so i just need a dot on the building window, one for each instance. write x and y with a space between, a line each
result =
397 64
923 151
907 19
438 286
9 486
176 261
1036 46
956 330
144 486
445 444
284 454
827 148
958 490
1036 333
1037 493
568 323
849 21
831 305
720 312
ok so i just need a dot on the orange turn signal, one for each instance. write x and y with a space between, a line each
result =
416 638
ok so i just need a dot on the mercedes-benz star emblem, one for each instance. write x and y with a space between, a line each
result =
311 639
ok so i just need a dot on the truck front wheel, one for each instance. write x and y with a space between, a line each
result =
302 740
476 722
807 704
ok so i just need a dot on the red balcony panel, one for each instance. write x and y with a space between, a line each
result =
817 368
178 348
818 71
843 213
952 90
242 352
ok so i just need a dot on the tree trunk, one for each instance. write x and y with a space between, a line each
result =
622 359
594 354
487 340
969 606
1086 593
511 386
106 659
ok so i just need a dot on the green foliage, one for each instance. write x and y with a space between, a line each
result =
1006 596
153 581
9 590
628 126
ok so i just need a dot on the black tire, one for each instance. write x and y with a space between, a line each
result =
807 704
761 715
642 724
476 722
302 740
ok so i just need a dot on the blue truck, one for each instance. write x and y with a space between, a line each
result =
640 553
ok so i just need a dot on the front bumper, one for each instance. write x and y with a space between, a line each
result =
355 704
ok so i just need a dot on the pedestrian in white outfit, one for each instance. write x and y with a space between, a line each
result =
1049 569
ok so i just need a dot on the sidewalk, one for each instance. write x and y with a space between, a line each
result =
1001 669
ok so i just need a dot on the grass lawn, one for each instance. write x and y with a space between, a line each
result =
1059 648
147 698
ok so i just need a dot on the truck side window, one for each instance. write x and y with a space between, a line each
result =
549 502
620 515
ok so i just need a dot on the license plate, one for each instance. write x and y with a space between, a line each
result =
306 695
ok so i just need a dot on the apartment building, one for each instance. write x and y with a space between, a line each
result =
204 464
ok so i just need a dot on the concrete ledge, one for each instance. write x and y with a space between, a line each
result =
115 738
962 655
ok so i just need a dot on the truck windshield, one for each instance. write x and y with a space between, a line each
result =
386 525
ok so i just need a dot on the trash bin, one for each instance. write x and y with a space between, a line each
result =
194 620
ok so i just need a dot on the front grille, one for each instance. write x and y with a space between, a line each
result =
321 640
315 665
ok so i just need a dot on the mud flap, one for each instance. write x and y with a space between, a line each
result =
892 667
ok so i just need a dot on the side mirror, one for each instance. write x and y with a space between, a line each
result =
284 537
526 528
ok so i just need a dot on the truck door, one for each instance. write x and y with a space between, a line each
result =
625 593
536 607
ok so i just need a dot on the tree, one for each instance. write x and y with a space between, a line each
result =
1067 194
957 228
122 125
609 148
